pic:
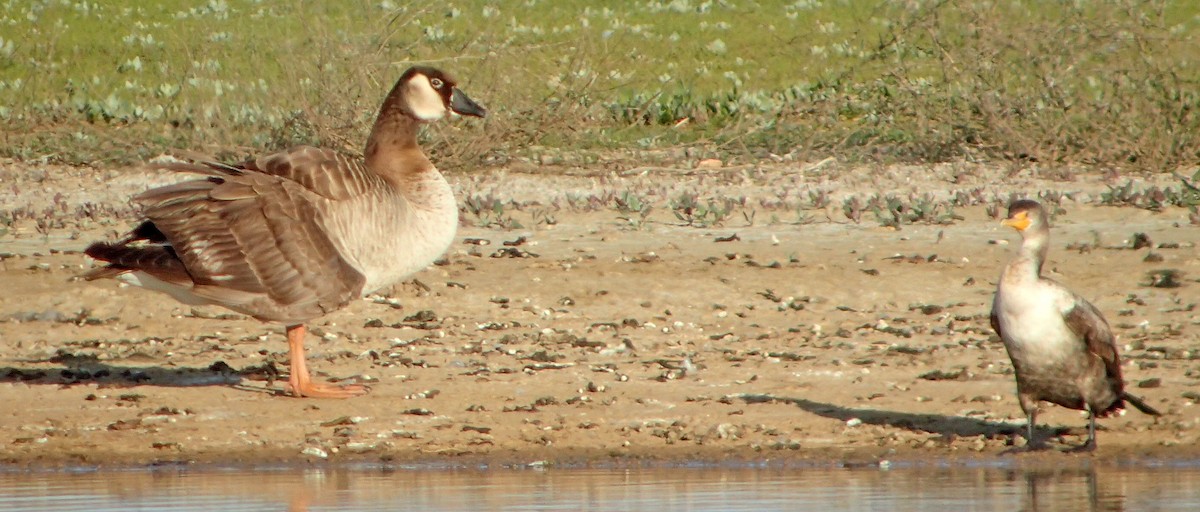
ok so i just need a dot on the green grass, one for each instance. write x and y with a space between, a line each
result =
1104 82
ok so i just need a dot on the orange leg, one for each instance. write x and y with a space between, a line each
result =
300 382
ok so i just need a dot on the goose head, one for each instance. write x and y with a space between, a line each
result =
428 94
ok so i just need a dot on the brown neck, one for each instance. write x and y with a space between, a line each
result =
392 146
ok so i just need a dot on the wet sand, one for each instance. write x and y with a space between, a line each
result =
590 336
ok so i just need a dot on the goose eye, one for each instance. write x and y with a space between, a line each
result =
436 83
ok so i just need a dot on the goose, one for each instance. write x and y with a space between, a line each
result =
292 236
1060 345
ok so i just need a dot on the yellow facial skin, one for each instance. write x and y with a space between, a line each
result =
1020 221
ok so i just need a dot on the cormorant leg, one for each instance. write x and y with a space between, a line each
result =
1090 444
1032 442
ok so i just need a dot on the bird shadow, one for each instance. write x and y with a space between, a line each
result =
74 370
949 427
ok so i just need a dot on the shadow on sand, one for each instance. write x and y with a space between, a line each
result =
949 427
68 371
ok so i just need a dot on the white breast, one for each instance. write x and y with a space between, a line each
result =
1031 320
390 238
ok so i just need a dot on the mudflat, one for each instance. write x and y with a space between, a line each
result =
561 328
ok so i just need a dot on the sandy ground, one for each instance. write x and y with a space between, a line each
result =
597 339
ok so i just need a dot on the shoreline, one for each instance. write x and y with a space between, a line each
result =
816 341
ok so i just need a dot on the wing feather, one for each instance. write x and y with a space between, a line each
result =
322 171
250 236
1089 325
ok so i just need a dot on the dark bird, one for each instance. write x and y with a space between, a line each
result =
1060 345
291 236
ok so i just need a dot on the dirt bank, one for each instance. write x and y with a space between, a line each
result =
592 335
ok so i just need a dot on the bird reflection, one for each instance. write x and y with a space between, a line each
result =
1067 489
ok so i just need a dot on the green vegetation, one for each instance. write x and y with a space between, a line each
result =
1111 83
1154 198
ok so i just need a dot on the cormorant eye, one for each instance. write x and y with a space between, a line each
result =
436 83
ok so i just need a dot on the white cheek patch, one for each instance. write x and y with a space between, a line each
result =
424 101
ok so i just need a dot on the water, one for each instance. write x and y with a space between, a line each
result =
1142 488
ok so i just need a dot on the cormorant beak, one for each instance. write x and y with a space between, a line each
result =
1019 222
462 105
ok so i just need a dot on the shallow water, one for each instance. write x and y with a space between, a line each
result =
1142 488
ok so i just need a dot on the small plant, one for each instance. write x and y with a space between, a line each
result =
893 211
690 211
819 199
634 210
996 210
926 209
583 203
1189 195
888 210
852 208
544 216
1120 195
489 211
43 226
685 207
1052 198
1153 198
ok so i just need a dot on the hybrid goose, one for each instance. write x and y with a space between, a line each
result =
1060 345
291 236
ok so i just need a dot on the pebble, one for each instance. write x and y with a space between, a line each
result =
359 447
313 451
157 418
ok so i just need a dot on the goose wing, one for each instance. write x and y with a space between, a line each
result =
250 236
321 171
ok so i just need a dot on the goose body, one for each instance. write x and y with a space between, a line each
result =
1061 347
291 236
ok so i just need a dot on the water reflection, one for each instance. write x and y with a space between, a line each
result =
699 489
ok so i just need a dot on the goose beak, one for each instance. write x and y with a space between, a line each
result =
464 106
